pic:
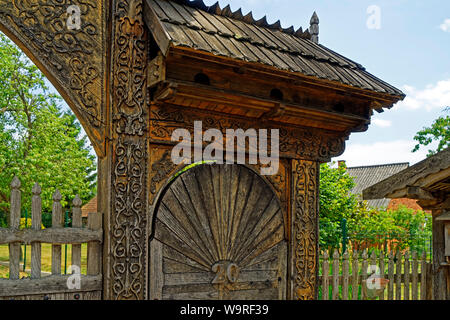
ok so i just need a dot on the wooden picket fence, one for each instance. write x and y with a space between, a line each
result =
54 286
397 276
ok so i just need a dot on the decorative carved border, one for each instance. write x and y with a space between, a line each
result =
73 59
128 224
306 143
305 229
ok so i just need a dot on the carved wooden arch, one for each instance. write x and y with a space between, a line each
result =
277 183
72 60
249 236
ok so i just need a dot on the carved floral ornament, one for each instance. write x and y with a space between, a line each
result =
301 143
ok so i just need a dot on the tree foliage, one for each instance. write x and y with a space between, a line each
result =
40 140
365 225
439 131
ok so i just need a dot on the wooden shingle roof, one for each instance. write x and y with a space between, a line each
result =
432 174
194 25
367 176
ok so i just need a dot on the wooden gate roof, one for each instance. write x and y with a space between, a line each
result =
192 24
431 175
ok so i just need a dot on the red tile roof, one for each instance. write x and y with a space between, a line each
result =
91 206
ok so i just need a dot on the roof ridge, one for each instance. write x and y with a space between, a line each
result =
248 18
381 165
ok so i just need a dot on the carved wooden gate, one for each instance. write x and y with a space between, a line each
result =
219 234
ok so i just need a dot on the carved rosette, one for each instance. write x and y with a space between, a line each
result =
305 231
72 58
128 221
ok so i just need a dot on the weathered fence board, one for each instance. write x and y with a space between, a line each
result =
401 281
55 287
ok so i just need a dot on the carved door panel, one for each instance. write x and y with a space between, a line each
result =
219 234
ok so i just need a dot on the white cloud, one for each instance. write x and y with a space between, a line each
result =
382 153
433 96
382 123
445 26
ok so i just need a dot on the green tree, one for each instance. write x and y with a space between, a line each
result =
336 203
40 140
439 131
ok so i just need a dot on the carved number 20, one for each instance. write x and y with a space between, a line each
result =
225 272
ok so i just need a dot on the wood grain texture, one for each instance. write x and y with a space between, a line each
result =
304 223
47 285
36 220
14 223
219 234
51 235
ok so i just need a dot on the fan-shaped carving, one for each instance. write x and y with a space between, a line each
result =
219 233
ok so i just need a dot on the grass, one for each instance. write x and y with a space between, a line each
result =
46 259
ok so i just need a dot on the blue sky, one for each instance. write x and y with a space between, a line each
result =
411 51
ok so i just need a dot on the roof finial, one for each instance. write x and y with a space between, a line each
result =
314 28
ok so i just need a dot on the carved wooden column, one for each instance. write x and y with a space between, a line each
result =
304 225
126 232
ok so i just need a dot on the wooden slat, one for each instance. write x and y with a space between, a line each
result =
423 277
14 223
345 274
94 258
51 284
364 272
398 277
36 221
391 276
355 271
325 273
335 284
57 222
50 235
382 272
407 280
415 272
76 223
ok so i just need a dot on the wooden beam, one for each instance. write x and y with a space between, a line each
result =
50 235
419 194
50 284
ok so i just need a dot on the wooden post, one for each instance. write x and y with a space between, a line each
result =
364 267
423 277
76 223
304 249
57 222
355 275
14 223
391 276
398 277
94 258
325 273
439 279
335 290
382 270
415 272
345 276
36 221
406 283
